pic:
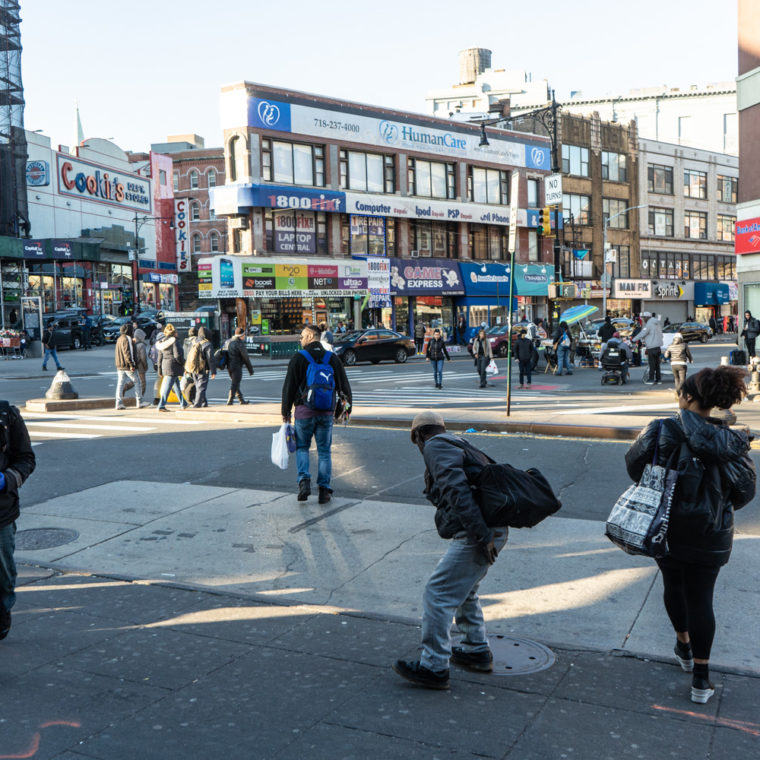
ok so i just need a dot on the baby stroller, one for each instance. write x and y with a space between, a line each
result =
613 366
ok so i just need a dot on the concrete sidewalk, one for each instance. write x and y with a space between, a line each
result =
184 621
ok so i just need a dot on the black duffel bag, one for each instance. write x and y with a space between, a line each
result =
517 498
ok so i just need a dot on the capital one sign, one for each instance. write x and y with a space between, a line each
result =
184 262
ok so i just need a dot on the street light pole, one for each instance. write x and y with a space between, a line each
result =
605 225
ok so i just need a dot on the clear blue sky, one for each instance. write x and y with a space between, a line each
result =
143 69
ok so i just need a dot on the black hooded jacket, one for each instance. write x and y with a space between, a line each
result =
17 462
718 477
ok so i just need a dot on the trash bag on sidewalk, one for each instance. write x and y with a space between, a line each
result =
280 451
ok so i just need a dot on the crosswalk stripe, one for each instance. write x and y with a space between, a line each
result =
75 426
51 434
127 420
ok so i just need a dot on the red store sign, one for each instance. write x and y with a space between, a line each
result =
747 236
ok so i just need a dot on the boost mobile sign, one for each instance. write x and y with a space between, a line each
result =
415 134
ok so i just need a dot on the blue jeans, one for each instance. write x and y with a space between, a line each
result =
437 370
7 566
48 353
563 360
320 427
452 593
166 386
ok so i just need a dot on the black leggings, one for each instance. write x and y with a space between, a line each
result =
689 601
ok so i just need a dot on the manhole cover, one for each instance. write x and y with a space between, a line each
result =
44 538
518 657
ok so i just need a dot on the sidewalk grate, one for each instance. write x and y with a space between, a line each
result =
519 657
44 538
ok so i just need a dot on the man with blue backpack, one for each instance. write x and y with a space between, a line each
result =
313 384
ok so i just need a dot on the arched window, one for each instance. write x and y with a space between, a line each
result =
193 180
214 241
212 177
195 211
196 243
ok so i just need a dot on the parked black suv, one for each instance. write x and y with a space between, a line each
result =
69 324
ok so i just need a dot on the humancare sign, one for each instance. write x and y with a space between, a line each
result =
101 184
353 123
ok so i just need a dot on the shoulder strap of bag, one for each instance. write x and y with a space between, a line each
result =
309 358
657 443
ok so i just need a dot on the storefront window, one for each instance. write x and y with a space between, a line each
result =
283 316
42 286
435 311
401 307
148 295
295 231
166 294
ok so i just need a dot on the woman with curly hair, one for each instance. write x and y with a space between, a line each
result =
717 477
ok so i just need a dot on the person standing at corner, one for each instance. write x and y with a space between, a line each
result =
419 336
86 332
451 593
563 344
309 421
200 379
172 362
435 354
141 360
525 351
237 357
701 527
482 353
124 356
651 337
749 333
461 330
17 462
48 343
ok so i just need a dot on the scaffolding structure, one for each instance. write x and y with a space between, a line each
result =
14 215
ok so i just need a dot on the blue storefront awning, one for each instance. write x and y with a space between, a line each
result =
491 279
711 293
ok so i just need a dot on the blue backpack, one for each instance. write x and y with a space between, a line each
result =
320 383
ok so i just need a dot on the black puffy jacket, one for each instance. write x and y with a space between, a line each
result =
17 462
452 464
718 477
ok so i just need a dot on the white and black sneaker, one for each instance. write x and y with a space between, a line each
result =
701 688
684 656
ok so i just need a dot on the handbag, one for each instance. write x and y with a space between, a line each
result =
638 522
280 450
492 369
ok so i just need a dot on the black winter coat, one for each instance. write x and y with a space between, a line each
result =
718 477
452 464
237 356
17 462
525 351
436 349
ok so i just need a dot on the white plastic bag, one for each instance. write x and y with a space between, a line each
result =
280 447
492 369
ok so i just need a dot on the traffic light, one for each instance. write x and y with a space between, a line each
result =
546 220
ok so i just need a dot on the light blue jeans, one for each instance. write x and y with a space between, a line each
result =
451 593
320 427
563 360
437 370
7 566
48 353
121 374
166 386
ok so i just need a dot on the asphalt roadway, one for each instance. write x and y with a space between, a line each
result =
177 602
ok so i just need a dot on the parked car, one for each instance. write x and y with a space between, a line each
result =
623 325
68 332
691 330
111 329
373 346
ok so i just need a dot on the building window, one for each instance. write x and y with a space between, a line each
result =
367 172
237 159
694 183
175 181
161 177
661 222
237 241
614 166
622 267
579 207
212 177
367 235
196 243
193 180
213 241
488 185
695 225
434 238
430 179
533 250
532 193
211 213
295 231
614 212
293 163
660 179
703 265
726 227
195 211
727 189
575 160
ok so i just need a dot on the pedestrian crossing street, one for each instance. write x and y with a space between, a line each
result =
54 427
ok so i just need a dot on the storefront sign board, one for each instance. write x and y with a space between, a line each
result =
181 220
747 238
426 277
624 288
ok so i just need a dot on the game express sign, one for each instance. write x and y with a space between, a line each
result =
426 277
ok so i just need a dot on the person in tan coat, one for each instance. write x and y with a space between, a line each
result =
124 355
